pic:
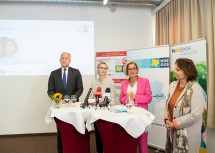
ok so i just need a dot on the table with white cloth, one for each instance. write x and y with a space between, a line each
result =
119 129
71 122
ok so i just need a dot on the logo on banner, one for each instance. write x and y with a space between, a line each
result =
124 61
184 50
164 62
119 68
153 63
160 63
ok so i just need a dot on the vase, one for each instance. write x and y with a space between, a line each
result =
57 105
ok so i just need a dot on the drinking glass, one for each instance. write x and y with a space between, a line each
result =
73 98
111 106
129 105
66 98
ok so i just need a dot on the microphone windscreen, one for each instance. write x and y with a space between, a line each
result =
98 92
99 89
107 90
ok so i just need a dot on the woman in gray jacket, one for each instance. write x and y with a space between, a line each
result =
184 108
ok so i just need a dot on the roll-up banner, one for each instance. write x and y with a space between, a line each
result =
153 64
195 50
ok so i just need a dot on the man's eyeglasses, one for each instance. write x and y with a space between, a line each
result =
103 68
131 69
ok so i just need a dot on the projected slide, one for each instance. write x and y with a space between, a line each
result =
33 47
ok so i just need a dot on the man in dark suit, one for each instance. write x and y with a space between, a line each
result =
67 81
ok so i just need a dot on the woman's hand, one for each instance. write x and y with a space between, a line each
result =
131 95
169 125
128 95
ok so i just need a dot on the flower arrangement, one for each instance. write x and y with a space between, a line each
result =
56 98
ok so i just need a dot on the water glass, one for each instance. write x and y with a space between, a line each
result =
129 105
73 98
111 106
66 98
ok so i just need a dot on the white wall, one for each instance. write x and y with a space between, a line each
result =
23 100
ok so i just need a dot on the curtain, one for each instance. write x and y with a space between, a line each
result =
179 21
211 63
186 20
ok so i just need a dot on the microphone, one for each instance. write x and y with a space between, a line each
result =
98 94
106 101
86 99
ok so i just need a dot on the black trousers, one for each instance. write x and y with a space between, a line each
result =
59 142
99 145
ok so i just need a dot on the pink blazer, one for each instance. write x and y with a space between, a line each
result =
143 95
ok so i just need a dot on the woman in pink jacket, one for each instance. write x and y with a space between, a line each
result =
138 91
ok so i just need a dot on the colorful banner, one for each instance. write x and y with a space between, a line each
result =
153 64
115 61
195 50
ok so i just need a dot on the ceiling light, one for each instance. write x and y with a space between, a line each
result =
105 2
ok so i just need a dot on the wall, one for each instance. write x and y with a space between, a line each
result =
210 140
24 102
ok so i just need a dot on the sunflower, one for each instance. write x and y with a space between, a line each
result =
56 97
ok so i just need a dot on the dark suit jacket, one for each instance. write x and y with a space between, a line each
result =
74 83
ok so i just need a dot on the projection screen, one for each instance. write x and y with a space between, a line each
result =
33 47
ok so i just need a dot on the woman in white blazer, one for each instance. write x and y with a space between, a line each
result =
184 108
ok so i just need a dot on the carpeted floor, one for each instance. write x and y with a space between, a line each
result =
38 143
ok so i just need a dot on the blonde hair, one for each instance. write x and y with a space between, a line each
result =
101 64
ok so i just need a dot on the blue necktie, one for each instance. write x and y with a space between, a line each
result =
64 79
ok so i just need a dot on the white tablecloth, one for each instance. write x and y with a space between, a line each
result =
134 123
73 115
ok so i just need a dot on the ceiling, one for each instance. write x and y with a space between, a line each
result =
100 2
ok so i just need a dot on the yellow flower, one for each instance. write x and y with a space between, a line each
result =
56 97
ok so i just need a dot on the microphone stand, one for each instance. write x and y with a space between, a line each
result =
97 102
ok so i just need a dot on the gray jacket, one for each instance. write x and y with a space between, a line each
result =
193 120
